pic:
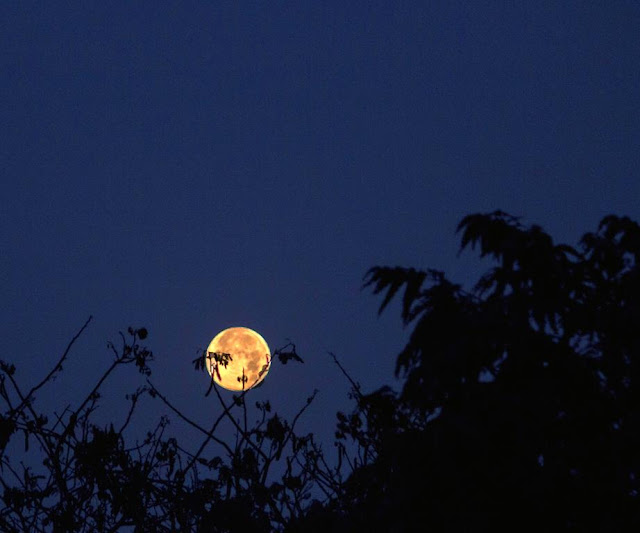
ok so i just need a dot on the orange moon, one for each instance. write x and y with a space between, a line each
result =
248 362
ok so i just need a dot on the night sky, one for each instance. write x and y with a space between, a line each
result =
193 166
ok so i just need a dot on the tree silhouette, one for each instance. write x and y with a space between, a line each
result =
518 409
88 477
519 406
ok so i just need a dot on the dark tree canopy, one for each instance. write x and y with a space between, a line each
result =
519 405
518 409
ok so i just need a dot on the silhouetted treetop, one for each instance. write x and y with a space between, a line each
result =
529 379
518 411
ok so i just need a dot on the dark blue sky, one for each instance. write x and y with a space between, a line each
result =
189 168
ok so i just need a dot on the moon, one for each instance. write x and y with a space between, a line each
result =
247 362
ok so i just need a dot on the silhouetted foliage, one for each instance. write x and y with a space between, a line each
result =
288 353
87 477
518 410
519 405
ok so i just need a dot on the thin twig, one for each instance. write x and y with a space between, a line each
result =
64 356
356 386
191 422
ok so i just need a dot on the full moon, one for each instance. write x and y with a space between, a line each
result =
247 362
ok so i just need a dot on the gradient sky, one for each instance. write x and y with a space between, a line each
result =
191 166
